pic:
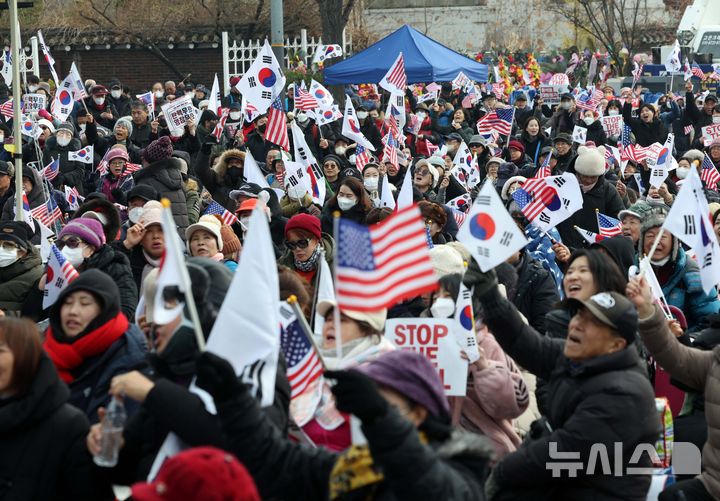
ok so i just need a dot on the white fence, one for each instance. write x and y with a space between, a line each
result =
239 55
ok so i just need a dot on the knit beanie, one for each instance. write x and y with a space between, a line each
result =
125 122
88 230
445 260
231 242
66 126
306 222
160 149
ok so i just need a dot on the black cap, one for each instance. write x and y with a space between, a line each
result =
250 190
7 168
563 137
548 149
489 95
613 309
18 232
567 95
144 191
711 97
521 97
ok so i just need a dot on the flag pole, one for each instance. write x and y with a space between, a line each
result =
185 277
317 291
292 301
17 146
655 243
336 313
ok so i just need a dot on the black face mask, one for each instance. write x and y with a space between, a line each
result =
261 128
235 174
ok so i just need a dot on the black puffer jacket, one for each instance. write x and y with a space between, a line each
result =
73 172
536 292
451 470
645 133
604 197
117 266
42 444
103 144
604 400
165 177
36 197
18 280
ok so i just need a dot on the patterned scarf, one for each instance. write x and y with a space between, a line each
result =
354 470
311 263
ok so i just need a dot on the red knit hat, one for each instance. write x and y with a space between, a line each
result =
202 473
306 222
515 144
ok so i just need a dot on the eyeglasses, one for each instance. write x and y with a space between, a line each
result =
423 172
72 242
298 244
8 246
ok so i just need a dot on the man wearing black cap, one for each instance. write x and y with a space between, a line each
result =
562 120
7 187
699 118
564 146
452 142
20 265
118 99
599 395
522 110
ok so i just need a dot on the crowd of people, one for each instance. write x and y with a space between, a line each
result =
573 350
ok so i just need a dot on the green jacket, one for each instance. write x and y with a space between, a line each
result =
19 279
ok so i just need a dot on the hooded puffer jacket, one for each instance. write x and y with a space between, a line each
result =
220 180
165 176
18 280
73 172
36 197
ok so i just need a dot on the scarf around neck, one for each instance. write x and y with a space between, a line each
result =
311 263
69 356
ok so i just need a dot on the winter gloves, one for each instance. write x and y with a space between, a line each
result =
216 376
357 394
483 282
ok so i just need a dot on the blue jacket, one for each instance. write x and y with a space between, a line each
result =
90 390
685 290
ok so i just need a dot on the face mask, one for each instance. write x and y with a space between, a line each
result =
63 140
245 223
296 192
352 158
7 257
362 115
565 105
82 127
116 94
235 115
99 100
159 94
613 113
135 214
682 172
346 203
371 183
421 115
33 88
261 128
340 150
75 256
443 307
302 118
589 120
716 120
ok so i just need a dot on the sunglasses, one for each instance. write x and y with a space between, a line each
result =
298 244
72 242
422 172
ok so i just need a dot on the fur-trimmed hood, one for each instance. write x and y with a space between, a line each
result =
221 166
106 208
694 155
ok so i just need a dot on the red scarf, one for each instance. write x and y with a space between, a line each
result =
68 356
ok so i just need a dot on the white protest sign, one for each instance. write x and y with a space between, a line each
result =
710 133
435 339
550 94
613 125
178 112
32 103
560 79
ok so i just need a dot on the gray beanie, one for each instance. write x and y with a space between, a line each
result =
125 122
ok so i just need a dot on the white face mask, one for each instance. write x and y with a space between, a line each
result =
421 115
371 183
33 88
340 150
82 127
235 115
116 93
75 256
296 192
362 115
63 140
8 257
716 120
159 94
135 214
443 307
245 223
565 105
99 100
589 120
682 172
613 112
302 117
352 159
346 203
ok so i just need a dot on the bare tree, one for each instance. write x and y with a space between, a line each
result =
334 16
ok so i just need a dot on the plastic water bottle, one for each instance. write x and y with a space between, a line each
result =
112 430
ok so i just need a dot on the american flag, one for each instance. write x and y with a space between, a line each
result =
534 197
498 89
52 170
380 265
362 158
390 151
709 174
608 226
459 217
59 274
695 70
276 131
395 77
588 101
220 126
715 75
303 99
131 167
544 170
637 71
47 213
215 209
687 129
303 363
499 120
7 109
626 146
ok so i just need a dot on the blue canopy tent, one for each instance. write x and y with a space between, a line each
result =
425 61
